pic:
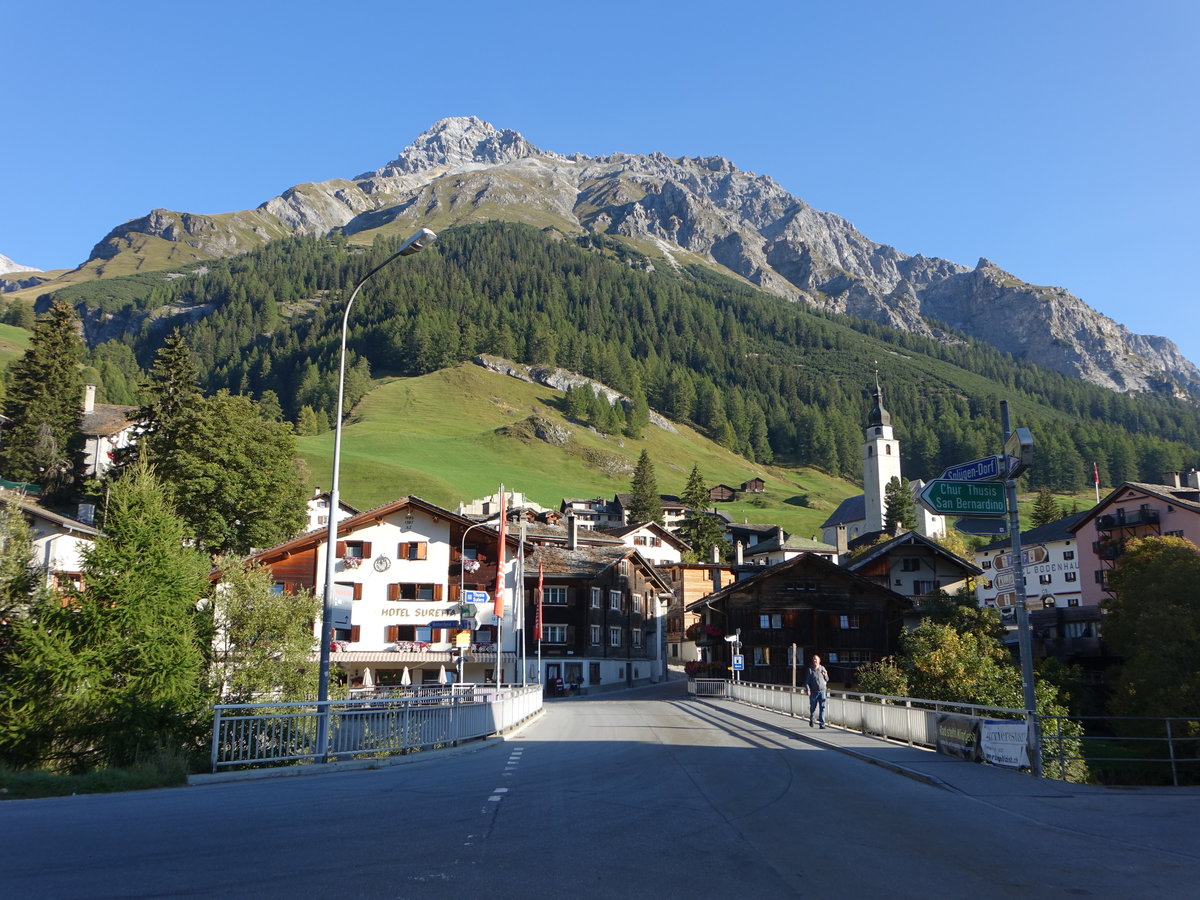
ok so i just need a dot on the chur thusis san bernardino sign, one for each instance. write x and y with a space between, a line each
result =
965 498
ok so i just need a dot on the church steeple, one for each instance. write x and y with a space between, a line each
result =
881 460
879 415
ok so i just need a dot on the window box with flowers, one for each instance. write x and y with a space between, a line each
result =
351 562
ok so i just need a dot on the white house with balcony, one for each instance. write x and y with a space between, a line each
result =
401 575
59 542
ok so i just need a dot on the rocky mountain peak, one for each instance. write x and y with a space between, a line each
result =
459 143
7 266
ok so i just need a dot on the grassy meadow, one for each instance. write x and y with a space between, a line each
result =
457 434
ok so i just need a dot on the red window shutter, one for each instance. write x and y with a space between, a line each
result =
358 590
455 593
391 633
437 592
393 592
341 548
422 550
354 633
366 550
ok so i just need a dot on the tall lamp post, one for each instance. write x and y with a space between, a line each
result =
415 244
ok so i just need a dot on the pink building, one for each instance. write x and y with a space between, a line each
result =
1134 510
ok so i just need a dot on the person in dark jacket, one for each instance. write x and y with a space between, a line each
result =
816 684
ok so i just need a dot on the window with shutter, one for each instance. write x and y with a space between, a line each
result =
391 633
340 547
393 591
366 549
354 634
437 592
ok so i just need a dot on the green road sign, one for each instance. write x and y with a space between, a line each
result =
965 498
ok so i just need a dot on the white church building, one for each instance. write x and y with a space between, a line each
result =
863 516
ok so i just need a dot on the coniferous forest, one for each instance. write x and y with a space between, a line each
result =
772 380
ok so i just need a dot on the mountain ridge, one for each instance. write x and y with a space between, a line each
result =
463 169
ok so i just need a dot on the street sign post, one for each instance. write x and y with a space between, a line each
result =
989 468
965 498
739 662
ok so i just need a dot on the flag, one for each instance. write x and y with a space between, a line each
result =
537 620
1096 473
498 603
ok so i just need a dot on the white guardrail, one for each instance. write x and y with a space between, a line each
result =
266 734
907 719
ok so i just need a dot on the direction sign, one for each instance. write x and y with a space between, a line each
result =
965 498
989 468
982 527
1030 556
474 596
1020 445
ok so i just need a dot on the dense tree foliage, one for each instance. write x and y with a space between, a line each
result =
700 529
766 378
1153 622
114 673
900 512
263 639
231 473
44 405
645 504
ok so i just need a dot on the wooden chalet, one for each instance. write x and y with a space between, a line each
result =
808 602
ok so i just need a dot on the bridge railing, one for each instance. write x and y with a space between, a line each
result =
269 734
910 720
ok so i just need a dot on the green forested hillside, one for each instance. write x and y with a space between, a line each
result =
767 379
456 433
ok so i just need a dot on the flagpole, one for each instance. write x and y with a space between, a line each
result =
498 598
520 593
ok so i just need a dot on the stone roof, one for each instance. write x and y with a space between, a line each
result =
108 418
852 509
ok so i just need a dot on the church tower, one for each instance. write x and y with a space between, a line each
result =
881 461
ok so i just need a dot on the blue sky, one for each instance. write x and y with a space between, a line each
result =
1058 139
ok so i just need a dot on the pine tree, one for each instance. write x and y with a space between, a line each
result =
645 504
900 512
113 673
44 404
700 529
1045 509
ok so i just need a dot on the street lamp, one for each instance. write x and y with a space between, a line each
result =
418 242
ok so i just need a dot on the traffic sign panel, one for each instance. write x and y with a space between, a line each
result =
739 662
982 527
989 468
965 498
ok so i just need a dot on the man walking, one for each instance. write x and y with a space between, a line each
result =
816 683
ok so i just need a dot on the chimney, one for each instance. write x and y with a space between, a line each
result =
737 548
716 578
843 546
1193 479
1171 479
572 532
716 553
87 513
89 398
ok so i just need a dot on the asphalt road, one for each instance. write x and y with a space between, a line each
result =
643 794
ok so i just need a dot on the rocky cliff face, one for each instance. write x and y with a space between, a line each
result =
463 170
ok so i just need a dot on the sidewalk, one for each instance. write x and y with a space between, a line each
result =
946 772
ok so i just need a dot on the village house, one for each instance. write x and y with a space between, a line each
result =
600 617
1133 510
653 541
106 428
318 510
1051 564
721 493
59 542
913 566
691 581
401 577
786 613
781 547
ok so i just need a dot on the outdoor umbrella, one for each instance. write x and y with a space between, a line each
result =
406 679
442 675
368 681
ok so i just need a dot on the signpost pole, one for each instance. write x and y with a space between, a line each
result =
1024 640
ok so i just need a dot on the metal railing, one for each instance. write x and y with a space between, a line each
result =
267 734
1126 749
906 719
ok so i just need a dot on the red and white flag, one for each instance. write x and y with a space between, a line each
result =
1096 474
498 596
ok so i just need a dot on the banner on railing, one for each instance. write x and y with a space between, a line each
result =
958 736
1005 742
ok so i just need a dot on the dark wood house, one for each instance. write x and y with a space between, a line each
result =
600 617
721 493
810 603
754 486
